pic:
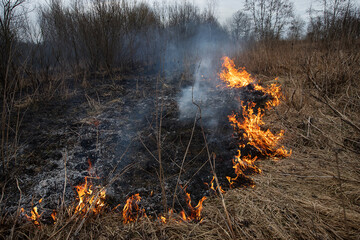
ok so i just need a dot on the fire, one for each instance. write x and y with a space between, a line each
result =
53 216
238 78
163 219
264 141
240 165
211 186
274 91
88 199
250 123
234 78
195 212
170 217
132 212
35 216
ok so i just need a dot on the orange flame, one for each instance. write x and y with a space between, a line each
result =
53 216
35 216
265 142
234 78
163 219
132 211
169 217
211 186
195 212
274 90
87 198
240 165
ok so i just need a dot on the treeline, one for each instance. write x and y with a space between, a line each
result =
119 33
275 19
71 41
92 35
107 34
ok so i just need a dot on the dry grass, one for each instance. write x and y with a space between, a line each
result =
314 194
296 198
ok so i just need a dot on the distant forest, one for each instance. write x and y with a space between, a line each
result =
123 34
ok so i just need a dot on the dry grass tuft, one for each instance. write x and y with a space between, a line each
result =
314 194
296 198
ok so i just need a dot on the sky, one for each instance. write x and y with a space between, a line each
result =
224 8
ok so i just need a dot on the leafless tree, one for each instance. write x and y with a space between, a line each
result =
269 17
296 29
334 20
10 24
240 26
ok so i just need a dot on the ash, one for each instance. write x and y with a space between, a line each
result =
115 126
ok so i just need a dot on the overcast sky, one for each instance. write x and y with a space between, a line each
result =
224 8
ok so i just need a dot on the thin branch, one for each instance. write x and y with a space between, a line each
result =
326 100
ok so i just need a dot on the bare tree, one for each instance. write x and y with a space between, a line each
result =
296 29
334 20
240 26
270 17
10 21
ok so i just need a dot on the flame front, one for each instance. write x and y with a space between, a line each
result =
195 212
212 187
249 124
240 165
234 78
53 216
132 212
88 199
35 216
264 141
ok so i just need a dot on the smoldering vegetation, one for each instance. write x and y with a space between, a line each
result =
126 85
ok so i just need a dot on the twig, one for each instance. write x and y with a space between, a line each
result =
326 100
337 143
341 192
142 142
222 198
2 194
301 176
121 157
18 210
213 167
65 182
158 130
183 160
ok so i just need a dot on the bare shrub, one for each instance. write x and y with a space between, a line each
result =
336 21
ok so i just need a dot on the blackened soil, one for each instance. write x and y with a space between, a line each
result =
129 129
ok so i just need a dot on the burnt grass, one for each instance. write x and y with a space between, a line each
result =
113 124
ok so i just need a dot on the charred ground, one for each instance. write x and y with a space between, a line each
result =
109 85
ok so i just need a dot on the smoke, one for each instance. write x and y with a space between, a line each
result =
206 48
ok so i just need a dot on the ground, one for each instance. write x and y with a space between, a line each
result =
113 123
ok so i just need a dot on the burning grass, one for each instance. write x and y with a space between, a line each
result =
313 194
293 199
248 124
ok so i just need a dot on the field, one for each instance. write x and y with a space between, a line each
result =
115 136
